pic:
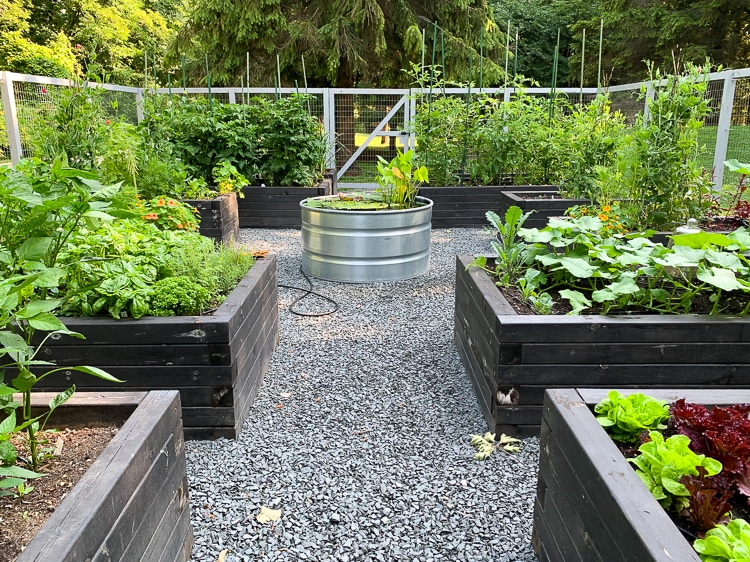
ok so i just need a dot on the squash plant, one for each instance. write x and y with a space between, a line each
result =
586 260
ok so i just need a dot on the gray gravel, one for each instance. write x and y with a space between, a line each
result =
360 434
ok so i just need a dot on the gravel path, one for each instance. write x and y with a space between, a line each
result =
360 434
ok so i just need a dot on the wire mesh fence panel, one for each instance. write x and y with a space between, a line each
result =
357 116
37 104
628 103
4 142
708 132
739 131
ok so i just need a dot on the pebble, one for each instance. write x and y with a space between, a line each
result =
369 458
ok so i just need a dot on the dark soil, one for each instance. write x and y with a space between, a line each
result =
21 518
700 304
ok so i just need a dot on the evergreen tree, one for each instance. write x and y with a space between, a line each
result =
657 30
344 42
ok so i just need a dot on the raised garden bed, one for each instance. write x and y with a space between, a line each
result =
544 202
219 217
466 206
277 207
132 503
590 503
517 357
217 362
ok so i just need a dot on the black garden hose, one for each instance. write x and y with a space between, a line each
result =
307 292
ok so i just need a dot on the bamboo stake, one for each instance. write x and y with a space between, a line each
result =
208 83
599 72
429 97
507 54
247 73
278 71
421 71
515 57
481 57
583 53
466 128
442 57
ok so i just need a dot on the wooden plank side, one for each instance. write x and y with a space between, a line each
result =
568 491
709 396
143 355
246 391
483 394
73 534
142 378
173 516
640 521
534 394
518 415
478 340
639 352
648 374
180 540
652 328
147 504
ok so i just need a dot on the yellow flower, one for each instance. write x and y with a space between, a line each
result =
397 173
606 208
160 203
603 217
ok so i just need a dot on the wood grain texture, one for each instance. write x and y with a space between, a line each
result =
525 354
125 494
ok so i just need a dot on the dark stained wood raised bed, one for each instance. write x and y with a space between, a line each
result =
219 217
545 204
217 362
590 503
522 355
132 503
466 206
277 207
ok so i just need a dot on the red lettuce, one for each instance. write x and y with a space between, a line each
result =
722 433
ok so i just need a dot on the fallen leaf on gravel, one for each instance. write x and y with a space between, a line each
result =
223 555
267 514
285 394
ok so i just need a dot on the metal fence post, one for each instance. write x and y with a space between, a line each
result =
722 131
139 105
650 92
11 117
329 124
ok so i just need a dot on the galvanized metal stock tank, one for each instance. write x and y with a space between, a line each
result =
366 246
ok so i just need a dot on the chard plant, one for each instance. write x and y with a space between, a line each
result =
512 256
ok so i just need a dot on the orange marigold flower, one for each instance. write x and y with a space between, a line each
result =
172 203
603 217
606 208
179 225
160 203
151 216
